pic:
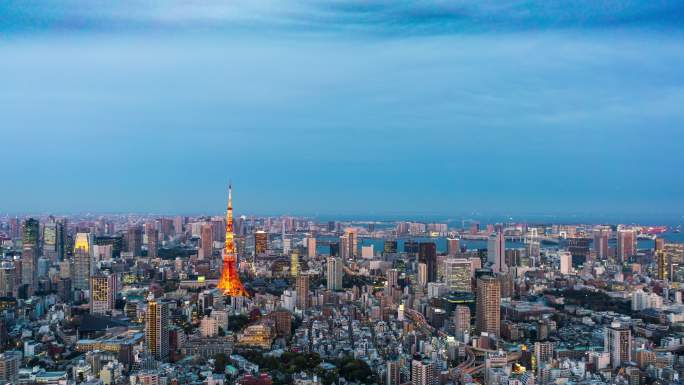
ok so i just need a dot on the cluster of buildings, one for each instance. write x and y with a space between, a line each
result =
143 300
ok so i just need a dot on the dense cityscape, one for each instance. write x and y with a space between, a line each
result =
133 299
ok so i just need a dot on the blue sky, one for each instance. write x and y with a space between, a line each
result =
343 107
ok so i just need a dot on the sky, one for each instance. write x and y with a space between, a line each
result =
313 107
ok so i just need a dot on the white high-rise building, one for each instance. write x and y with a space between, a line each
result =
423 372
618 343
565 263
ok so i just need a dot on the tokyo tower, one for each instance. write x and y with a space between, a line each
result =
230 282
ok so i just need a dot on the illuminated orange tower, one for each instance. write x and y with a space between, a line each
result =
230 282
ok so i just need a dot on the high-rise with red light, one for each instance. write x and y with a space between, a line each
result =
230 282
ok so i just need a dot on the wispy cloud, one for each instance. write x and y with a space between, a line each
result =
379 16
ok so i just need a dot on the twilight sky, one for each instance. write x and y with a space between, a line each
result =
343 107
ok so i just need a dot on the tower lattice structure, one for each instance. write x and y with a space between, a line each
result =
230 282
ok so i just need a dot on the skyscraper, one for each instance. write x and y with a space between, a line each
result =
453 246
29 256
152 239
488 305
389 247
618 343
423 372
393 372
8 279
82 261
260 242
626 244
294 264
600 243
427 253
134 239
334 273
349 244
157 329
457 272
462 323
392 277
311 246
663 265
103 290
302 289
565 262
496 249
206 242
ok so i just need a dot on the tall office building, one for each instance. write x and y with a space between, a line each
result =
134 240
389 247
103 290
15 228
565 262
626 244
457 272
422 274
663 265
488 305
496 249
260 242
462 323
206 242
29 256
157 329
349 244
294 264
8 280
302 289
152 239
453 246
618 343
82 261
311 247
10 361
427 254
50 239
543 354
600 243
334 273
393 376
392 277
423 372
